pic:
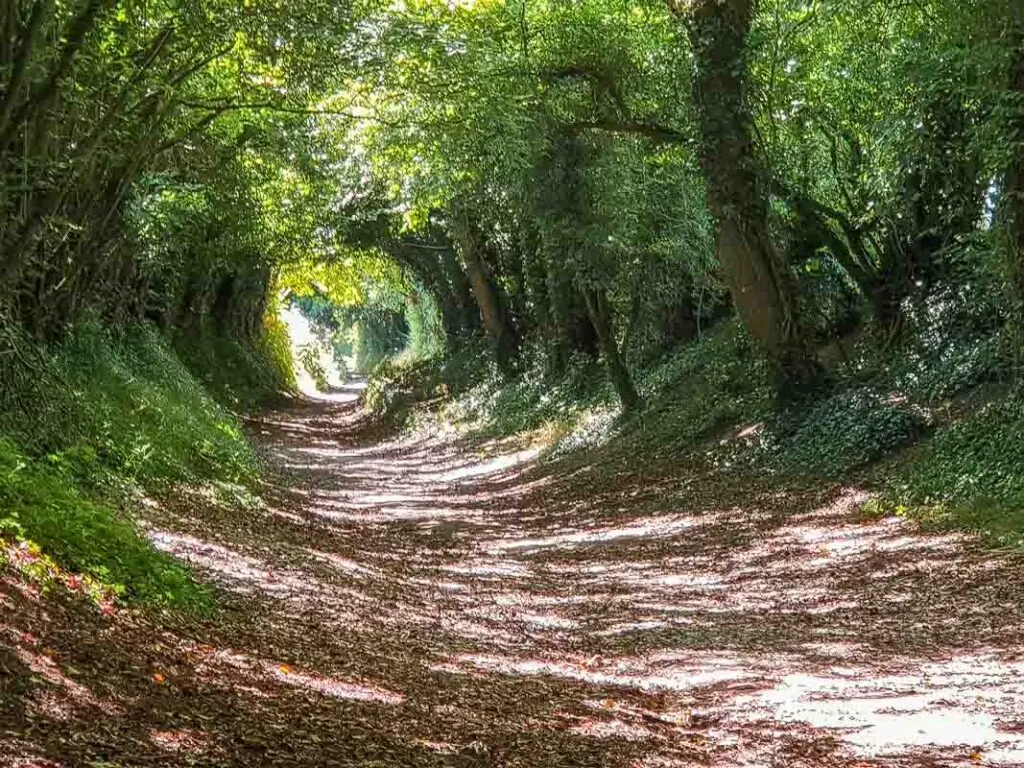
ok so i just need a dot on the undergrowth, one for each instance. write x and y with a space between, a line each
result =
399 384
495 407
713 397
43 504
969 476
717 381
125 398
91 423
240 375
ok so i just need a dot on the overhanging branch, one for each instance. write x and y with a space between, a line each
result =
659 133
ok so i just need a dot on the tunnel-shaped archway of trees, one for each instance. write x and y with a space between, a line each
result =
604 178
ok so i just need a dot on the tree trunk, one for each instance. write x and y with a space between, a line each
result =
600 316
462 293
570 328
1015 177
1014 194
30 35
758 279
492 312
40 99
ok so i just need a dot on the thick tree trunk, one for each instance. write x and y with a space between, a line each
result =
1014 194
758 279
600 316
1015 176
462 293
568 323
492 311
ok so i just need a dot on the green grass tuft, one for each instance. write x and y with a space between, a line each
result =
42 503
85 426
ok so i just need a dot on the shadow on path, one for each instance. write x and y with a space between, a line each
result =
442 603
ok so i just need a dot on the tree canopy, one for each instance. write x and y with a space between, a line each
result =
603 178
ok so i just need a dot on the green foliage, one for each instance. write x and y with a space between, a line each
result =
274 350
381 333
125 395
240 374
400 383
426 336
416 175
41 503
499 407
309 357
997 523
843 431
85 424
126 110
397 385
708 384
954 340
976 458
714 382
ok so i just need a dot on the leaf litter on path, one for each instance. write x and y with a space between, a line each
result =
420 602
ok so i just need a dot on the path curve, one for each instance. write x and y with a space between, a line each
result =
441 603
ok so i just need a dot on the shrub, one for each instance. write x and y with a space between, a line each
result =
397 383
843 431
128 397
496 406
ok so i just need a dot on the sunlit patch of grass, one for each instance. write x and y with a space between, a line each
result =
556 430
45 511
996 524
90 423
121 402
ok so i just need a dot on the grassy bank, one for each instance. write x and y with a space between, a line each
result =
933 423
91 424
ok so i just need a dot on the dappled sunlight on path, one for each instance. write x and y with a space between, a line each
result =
429 602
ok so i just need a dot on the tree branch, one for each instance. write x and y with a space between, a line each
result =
80 27
40 13
659 133
271 106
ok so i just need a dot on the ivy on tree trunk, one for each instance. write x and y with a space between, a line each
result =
757 276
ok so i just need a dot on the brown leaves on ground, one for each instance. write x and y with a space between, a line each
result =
428 603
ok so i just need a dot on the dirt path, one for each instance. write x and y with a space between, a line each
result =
425 604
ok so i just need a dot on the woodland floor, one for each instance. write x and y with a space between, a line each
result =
443 603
